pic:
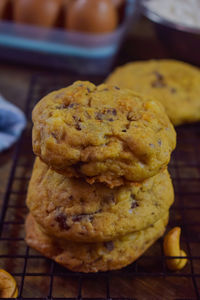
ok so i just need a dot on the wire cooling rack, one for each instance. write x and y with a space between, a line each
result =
147 278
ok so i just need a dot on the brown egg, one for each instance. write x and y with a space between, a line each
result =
93 16
3 5
118 3
66 2
36 12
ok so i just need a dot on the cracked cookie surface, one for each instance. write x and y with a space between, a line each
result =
175 84
84 257
72 209
102 133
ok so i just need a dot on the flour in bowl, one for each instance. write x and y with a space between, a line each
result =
186 12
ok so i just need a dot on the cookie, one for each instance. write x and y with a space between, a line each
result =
175 84
72 209
102 133
94 257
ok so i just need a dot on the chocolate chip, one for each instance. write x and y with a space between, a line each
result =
111 120
159 76
152 145
173 90
132 117
90 218
71 105
62 106
65 106
124 130
117 88
78 166
89 102
159 142
54 135
71 197
79 218
159 82
112 111
78 126
62 221
109 246
134 204
99 116
89 90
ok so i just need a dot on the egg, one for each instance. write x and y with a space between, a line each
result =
66 2
3 6
36 12
91 16
118 3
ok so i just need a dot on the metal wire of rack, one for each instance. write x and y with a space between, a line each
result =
148 277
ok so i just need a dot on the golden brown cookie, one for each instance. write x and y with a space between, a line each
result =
73 209
103 133
175 84
82 257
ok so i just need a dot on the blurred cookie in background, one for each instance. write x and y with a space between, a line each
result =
173 83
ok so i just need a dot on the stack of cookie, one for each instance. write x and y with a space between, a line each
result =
100 191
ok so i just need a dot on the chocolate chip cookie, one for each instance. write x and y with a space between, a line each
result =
94 257
102 133
175 84
72 209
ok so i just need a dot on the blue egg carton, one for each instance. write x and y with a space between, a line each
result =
74 51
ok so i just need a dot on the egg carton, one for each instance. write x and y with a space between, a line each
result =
81 53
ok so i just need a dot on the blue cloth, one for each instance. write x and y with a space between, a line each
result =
12 123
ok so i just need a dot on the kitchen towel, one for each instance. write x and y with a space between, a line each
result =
12 123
